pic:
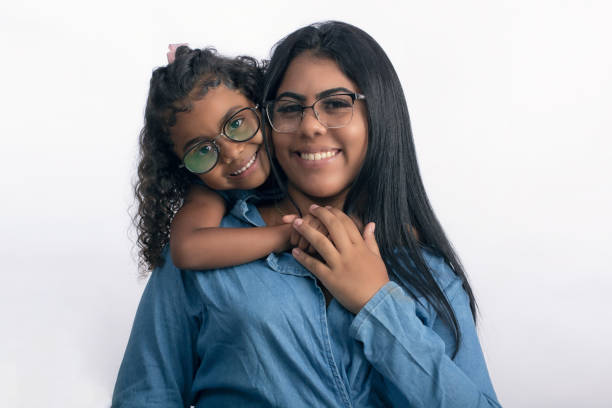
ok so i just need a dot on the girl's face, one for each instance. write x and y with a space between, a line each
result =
241 165
320 163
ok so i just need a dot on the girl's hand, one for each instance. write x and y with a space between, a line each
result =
298 241
353 270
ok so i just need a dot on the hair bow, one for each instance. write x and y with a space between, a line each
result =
171 54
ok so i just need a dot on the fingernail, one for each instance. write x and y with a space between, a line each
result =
296 252
313 206
372 228
297 222
329 207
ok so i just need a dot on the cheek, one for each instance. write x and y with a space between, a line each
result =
359 144
257 139
276 145
213 179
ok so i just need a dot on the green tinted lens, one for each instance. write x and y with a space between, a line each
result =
201 159
242 126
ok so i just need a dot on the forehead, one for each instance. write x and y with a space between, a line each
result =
206 114
308 75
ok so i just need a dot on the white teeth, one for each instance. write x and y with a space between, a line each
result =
318 156
246 166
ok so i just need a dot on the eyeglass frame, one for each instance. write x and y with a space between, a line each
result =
355 96
213 142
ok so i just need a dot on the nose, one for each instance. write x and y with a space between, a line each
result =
310 125
229 151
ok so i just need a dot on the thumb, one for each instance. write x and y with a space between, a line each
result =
370 239
288 219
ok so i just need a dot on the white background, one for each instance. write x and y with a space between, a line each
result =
511 106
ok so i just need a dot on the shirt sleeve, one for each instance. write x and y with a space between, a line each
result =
160 359
414 359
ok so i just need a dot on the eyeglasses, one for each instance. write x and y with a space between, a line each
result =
204 155
333 111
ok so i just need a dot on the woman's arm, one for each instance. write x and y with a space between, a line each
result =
197 241
413 359
417 365
160 359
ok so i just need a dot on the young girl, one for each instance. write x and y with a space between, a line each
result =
202 133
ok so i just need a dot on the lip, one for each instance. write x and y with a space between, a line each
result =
314 149
250 169
310 164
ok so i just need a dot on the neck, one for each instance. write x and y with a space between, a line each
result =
304 201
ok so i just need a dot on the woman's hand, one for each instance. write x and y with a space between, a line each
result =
353 270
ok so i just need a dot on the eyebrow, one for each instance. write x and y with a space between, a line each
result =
231 111
332 91
318 96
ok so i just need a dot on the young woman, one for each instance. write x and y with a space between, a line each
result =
365 324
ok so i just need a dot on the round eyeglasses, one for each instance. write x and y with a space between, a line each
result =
333 111
203 156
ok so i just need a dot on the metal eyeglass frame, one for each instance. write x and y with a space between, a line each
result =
213 142
354 96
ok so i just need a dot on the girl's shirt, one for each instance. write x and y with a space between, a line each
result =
260 334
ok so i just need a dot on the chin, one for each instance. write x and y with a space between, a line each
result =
324 193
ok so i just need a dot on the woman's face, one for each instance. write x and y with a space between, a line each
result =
320 163
241 165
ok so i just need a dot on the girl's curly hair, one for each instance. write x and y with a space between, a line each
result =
162 185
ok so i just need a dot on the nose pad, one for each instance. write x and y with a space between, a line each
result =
229 151
310 125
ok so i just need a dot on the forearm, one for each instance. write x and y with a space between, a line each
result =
210 248
415 365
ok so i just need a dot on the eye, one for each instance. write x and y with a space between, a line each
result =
287 107
335 103
204 150
235 123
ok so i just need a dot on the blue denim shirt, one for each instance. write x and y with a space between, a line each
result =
260 335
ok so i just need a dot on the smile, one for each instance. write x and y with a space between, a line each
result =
319 155
246 166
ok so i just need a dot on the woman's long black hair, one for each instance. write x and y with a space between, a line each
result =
162 185
388 190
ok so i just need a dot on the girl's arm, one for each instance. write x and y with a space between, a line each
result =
197 241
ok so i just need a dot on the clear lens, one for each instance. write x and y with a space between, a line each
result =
285 115
335 111
242 126
332 111
201 159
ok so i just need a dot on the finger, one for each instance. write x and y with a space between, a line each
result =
303 244
319 226
310 250
334 226
288 219
370 238
318 241
316 267
349 225
295 238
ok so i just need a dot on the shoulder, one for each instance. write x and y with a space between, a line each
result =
168 284
441 270
199 200
446 279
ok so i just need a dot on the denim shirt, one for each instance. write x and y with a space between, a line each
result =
260 335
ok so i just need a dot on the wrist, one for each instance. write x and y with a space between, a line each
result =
284 235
